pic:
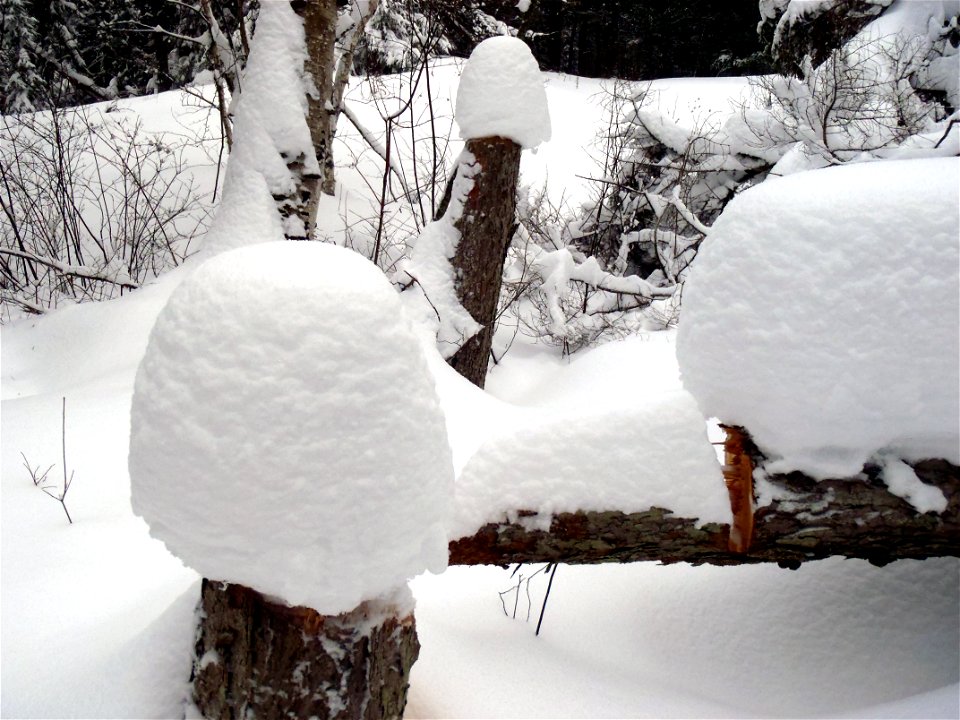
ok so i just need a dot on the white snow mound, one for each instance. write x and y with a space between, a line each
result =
286 433
822 314
657 455
501 94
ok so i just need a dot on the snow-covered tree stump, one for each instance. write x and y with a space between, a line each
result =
259 658
283 410
501 109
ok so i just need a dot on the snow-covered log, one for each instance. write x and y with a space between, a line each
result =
806 519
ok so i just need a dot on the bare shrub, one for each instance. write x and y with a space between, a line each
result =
92 206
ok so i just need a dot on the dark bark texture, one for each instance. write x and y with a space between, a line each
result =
486 227
849 517
257 658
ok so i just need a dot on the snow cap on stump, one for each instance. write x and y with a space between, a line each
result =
823 315
286 434
501 94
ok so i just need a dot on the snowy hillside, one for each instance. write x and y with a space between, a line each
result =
98 616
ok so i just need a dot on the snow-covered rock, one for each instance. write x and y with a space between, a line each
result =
501 94
823 314
286 433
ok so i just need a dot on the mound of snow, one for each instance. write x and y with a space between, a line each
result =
822 314
501 94
631 460
286 433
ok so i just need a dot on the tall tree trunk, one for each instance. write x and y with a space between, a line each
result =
320 24
258 658
486 227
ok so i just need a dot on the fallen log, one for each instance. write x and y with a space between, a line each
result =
806 520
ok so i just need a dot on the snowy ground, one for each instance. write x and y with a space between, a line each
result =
97 617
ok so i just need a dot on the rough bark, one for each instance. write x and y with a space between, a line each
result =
320 23
258 658
486 227
849 517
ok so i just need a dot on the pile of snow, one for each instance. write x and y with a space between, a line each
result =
428 273
654 455
501 94
822 314
286 432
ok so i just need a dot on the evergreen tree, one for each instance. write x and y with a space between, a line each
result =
19 73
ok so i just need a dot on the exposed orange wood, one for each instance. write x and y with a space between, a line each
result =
738 475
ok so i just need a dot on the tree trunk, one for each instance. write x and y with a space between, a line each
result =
849 517
320 23
486 227
258 658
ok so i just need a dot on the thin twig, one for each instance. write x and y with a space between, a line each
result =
546 597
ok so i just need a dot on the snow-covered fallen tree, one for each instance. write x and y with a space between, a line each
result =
808 323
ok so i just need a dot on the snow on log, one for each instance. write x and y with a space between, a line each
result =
823 315
630 459
802 519
287 442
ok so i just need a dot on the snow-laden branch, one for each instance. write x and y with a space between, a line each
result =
78 78
120 278
377 147
559 270
360 14
691 219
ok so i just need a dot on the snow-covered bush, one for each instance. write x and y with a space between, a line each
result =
823 314
897 78
285 431
889 89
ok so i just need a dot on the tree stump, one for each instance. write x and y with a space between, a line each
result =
486 227
259 658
